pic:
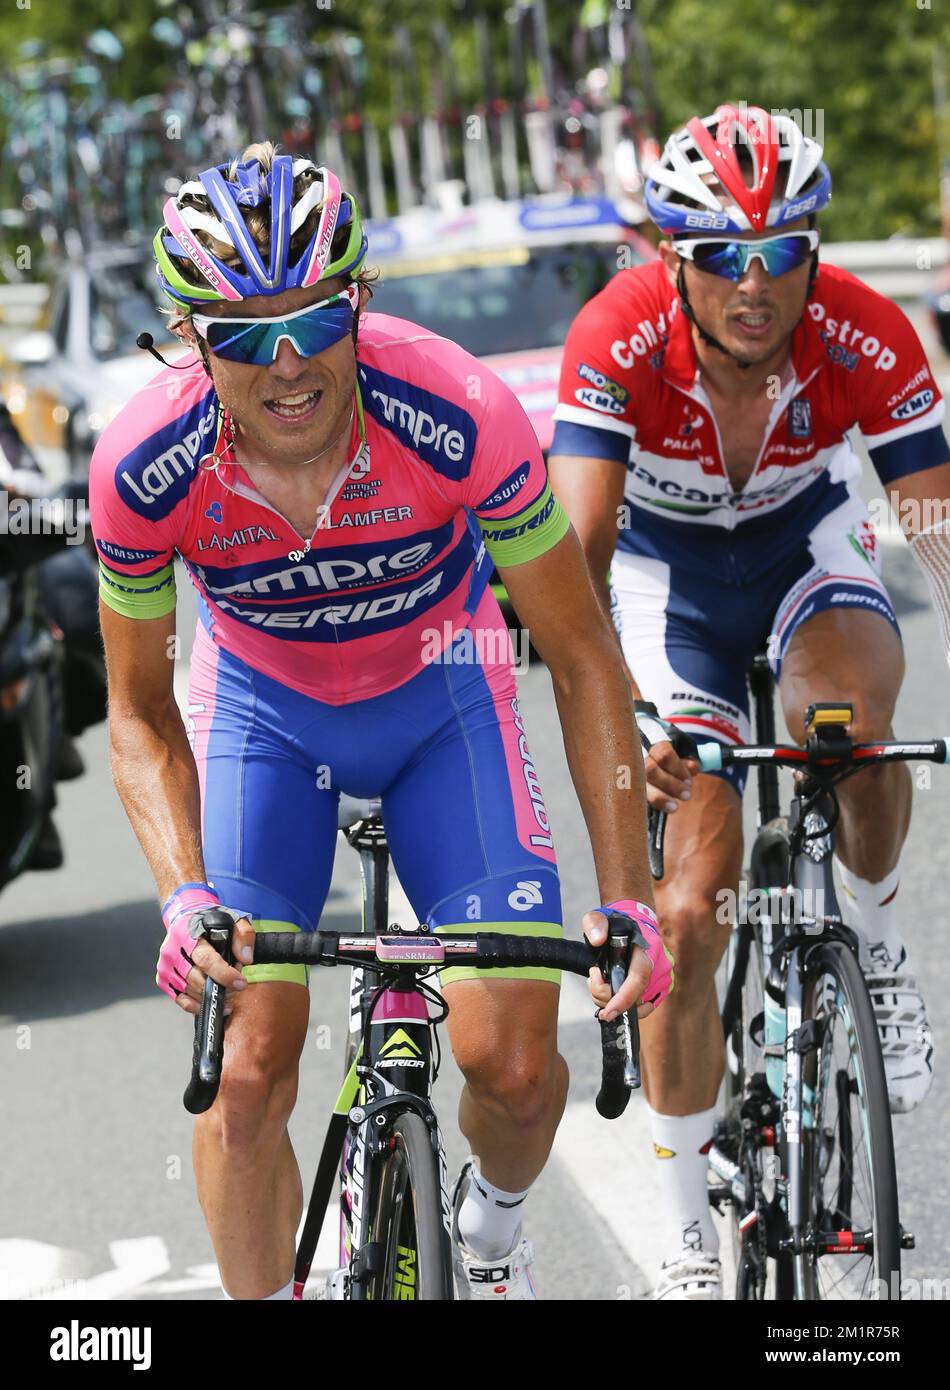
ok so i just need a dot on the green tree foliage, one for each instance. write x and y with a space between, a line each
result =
859 71
863 68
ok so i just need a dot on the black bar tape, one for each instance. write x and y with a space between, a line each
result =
295 947
498 951
614 1094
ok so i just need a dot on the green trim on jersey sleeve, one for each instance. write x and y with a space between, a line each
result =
514 539
139 595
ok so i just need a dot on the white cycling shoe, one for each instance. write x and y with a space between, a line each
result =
906 1039
692 1277
508 1277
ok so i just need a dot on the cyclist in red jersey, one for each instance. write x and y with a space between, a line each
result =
337 485
701 452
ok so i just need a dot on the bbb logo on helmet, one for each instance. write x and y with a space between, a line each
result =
714 221
799 209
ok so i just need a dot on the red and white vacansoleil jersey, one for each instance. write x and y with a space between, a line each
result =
630 390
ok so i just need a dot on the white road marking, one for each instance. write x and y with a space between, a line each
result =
136 1262
197 1278
612 1163
30 1269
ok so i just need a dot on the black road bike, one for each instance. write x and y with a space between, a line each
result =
803 1158
383 1150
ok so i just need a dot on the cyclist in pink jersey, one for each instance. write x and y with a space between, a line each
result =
338 486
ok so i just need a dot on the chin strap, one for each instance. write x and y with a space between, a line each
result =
690 314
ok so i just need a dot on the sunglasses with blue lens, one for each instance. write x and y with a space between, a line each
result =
255 341
731 259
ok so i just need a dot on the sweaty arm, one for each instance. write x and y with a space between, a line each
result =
538 556
155 775
152 764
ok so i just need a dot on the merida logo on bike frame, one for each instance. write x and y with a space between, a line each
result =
156 487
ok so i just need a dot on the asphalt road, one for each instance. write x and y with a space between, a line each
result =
98 1197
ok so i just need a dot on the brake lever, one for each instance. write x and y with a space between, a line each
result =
621 938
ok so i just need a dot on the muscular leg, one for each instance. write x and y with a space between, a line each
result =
504 1037
682 1042
847 654
248 1180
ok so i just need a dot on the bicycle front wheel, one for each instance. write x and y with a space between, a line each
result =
415 1251
848 1169
762 1270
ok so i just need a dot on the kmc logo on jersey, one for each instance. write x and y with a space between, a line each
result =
598 400
917 404
602 382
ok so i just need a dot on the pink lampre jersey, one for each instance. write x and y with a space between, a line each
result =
451 480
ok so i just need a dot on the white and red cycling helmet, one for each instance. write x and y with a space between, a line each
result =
738 170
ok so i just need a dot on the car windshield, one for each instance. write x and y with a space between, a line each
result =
123 304
499 302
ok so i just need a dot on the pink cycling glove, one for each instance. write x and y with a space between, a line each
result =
662 977
174 959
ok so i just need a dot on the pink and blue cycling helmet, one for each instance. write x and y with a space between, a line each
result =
293 187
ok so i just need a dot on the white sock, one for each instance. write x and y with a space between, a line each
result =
871 909
680 1142
286 1292
489 1217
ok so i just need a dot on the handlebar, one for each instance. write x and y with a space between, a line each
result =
715 756
620 1039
